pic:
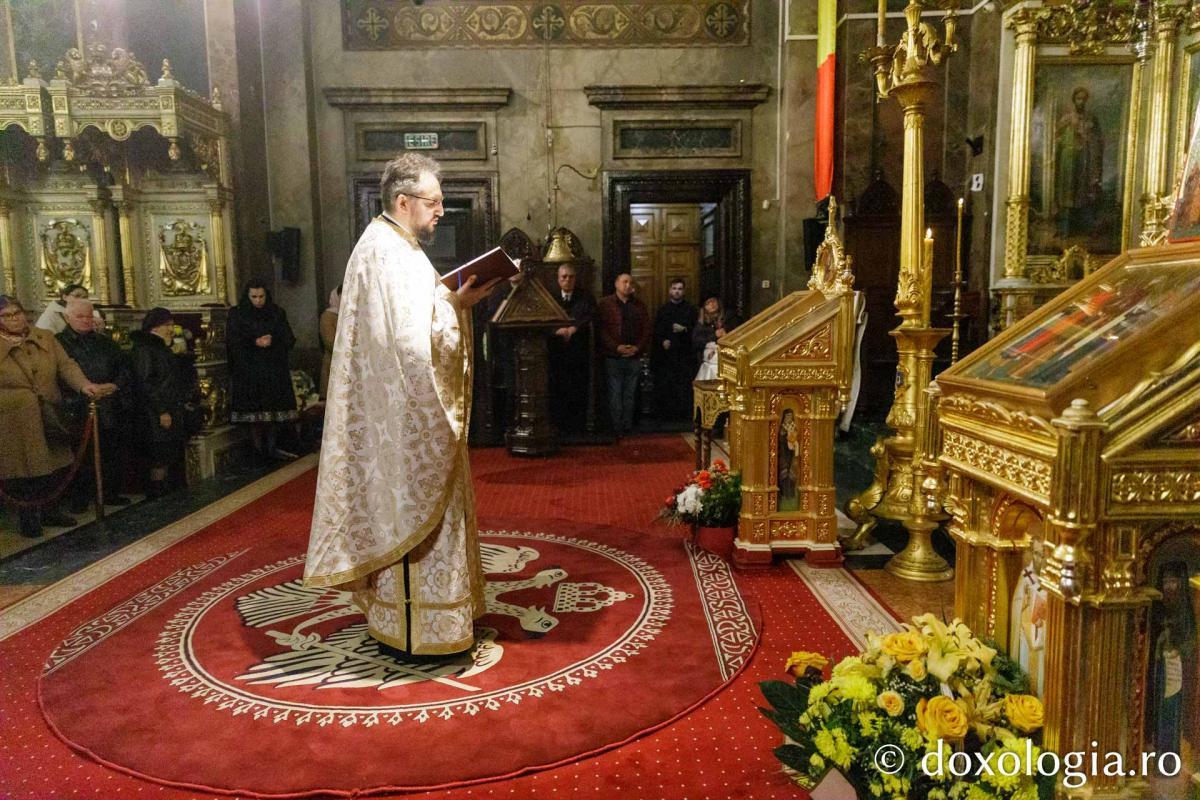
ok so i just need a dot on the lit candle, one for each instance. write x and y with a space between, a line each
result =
958 244
879 28
958 315
928 248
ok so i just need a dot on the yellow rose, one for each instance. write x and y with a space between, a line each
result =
802 661
903 646
916 669
941 718
891 702
1024 711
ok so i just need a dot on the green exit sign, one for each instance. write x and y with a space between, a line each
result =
420 141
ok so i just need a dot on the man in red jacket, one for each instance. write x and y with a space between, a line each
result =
624 337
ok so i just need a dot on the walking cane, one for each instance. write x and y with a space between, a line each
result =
96 459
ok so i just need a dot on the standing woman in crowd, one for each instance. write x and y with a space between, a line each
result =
34 442
327 326
53 316
710 329
165 384
259 338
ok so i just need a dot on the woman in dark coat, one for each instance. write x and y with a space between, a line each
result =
258 339
165 386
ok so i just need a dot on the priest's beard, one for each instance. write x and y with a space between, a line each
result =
426 236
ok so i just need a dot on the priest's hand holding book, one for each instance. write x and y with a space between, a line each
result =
469 294
475 279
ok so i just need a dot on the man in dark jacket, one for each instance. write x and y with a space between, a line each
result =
102 361
672 363
571 354
624 337
165 386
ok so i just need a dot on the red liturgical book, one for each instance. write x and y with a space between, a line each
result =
493 264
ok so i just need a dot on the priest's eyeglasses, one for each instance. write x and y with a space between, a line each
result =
432 203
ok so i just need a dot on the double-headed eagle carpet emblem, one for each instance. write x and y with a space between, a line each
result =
290 613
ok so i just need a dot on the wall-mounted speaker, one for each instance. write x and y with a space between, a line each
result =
284 245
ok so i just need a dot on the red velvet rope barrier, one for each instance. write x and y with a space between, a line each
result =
58 492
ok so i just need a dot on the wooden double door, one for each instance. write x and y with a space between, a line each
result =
665 242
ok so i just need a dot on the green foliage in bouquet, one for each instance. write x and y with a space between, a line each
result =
913 698
711 498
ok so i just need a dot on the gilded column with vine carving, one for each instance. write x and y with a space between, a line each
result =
100 240
6 250
1016 226
128 253
221 265
1154 206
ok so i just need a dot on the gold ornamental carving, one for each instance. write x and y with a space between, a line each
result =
66 256
98 71
817 346
1086 28
183 262
207 152
1075 263
832 268
794 374
711 399
1031 474
992 412
214 400
1144 487
1187 435
791 528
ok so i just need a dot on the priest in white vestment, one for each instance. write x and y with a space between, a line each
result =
394 520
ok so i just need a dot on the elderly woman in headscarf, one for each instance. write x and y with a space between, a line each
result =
258 338
34 444
166 383
327 326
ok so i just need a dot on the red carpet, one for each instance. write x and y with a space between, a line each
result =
193 683
720 750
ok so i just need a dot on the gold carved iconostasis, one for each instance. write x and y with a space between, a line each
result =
1069 447
1092 131
116 183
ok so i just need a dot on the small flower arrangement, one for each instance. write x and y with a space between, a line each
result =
919 695
711 498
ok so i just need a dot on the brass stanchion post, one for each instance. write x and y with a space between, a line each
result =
99 499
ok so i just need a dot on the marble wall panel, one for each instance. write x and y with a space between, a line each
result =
291 166
800 106
175 30
982 107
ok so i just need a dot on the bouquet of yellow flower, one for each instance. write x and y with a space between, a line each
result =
901 719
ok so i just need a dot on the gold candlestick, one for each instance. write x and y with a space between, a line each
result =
958 281
907 72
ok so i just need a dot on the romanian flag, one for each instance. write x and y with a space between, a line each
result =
826 60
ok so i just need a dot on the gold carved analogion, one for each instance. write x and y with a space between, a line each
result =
784 376
1067 458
